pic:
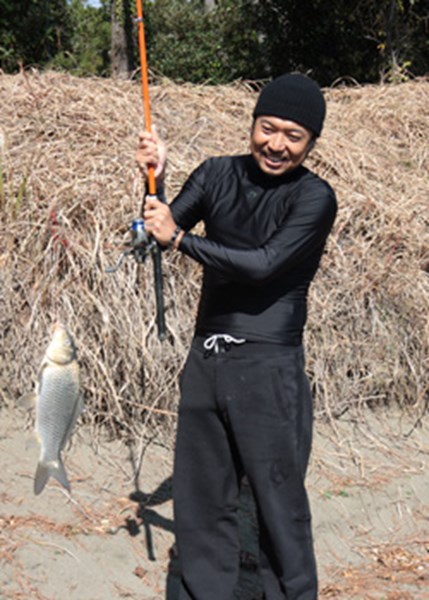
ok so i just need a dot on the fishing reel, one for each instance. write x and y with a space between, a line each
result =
140 245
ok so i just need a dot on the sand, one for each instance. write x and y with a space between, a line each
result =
113 537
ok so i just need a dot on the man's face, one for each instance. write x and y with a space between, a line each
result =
278 145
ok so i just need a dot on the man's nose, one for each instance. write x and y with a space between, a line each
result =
277 142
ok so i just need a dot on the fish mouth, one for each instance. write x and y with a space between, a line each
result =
61 349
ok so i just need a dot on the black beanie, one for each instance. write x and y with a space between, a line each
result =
293 97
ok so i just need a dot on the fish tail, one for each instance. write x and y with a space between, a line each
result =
45 470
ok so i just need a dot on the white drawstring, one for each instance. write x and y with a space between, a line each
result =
212 342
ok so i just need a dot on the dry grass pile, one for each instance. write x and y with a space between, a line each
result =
69 190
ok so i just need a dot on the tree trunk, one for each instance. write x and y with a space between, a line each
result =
209 5
391 49
121 51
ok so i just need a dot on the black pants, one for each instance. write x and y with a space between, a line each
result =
245 409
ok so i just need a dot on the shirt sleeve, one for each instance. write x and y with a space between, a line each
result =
187 207
303 232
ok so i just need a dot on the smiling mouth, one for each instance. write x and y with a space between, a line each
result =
274 161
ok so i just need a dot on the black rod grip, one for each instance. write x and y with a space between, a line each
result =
159 292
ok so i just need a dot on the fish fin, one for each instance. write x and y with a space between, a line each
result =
42 475
27 400
60 475
51 469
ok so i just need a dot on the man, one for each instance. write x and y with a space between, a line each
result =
245 405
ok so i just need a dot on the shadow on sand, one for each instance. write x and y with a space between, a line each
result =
147 518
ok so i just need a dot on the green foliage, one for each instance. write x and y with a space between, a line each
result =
181 44
236 22
31 31
236 39
252 39
187 43
322 38
401 30
88 49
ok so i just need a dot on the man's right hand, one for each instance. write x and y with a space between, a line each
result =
152 152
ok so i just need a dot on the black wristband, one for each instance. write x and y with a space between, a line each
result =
174 236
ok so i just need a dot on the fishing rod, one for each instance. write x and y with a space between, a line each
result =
142 244
145 88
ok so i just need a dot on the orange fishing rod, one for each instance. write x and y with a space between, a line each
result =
155 249
145 88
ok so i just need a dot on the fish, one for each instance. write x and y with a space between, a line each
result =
59 402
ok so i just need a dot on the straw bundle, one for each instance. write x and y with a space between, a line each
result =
69 190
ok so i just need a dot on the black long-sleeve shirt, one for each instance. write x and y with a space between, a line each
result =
264 240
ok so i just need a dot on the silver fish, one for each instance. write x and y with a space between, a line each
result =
59 402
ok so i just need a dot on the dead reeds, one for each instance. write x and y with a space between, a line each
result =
69 190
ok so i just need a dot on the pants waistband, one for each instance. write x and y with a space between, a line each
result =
238 347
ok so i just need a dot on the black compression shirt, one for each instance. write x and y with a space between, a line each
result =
264 240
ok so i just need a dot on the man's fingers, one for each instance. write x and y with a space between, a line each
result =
148 138
151 153
153 203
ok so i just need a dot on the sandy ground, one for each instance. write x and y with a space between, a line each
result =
113 538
